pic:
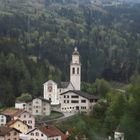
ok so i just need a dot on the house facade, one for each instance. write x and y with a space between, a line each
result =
46 133
3 120
77 101
19 125
20 105
36 134
26 117
22 115
39 106
52 90
7 133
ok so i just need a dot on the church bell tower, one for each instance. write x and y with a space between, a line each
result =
75 70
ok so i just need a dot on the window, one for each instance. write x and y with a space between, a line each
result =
74 96
25 121
37 134
2 120
64 96
73 70
15 139
74 101
18 125
24 116
32 134
67 96
83 107
42 135
77 70
36 111
56 138
30 121
8 134
83 101
67 101
44 109
31 139
64 101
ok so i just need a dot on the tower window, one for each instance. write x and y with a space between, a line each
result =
77 70
73 70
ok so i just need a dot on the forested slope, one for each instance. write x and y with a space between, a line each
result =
37 38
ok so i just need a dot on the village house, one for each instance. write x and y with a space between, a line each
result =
119 134
46 133
3 120
77 101
19 125
20 105
39 106
7 133
36 106
22 115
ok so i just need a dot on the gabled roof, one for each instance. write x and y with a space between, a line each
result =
41 98
14 112
81 93
63 84
5 130
50 81
14 121
51 131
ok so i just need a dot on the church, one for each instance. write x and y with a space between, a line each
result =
52 90
65 96
68 95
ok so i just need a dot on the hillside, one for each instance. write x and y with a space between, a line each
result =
37 38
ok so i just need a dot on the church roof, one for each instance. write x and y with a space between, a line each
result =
81 93
63 84
75 52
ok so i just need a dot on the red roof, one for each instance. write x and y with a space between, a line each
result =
52 131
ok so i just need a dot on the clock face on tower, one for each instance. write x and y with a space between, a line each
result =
49 88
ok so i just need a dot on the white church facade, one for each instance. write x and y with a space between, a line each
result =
52 90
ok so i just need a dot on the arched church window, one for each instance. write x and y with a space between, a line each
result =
73 70
77 70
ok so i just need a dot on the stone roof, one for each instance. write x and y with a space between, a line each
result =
14 112
5 130
83 94
51 131
63 84
41 98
